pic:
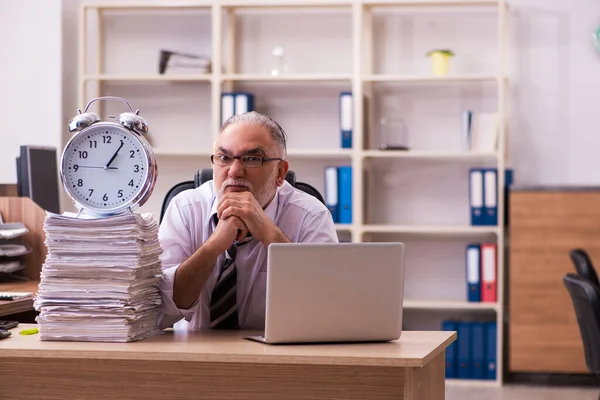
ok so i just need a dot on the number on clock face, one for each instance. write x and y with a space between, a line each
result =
104 167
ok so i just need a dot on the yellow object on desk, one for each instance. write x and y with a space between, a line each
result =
32 331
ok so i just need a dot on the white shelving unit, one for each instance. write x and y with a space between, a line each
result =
361 46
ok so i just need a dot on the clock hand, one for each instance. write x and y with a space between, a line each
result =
89 166
114 156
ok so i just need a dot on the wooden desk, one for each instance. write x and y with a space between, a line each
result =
222 365
21 305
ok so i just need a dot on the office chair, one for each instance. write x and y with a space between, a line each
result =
584 266
586 302
204 175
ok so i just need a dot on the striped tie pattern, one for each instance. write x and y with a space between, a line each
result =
223 302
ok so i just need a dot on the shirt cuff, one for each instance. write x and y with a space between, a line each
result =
170 313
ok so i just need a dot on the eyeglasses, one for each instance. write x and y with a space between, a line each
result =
247 161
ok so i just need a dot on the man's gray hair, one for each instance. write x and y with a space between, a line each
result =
254 118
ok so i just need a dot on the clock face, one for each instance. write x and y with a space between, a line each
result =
105 168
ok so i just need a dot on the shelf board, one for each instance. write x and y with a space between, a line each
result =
284 4
435 155
431 230
448 305
149 78
343 227
181 153
294 153
431 3
319 153
472 382
287 77
146 6
390 78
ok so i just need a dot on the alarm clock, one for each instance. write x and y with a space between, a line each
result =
108 167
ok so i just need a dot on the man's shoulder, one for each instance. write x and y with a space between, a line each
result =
295 200
200 197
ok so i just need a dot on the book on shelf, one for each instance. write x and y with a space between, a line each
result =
479 131
175 62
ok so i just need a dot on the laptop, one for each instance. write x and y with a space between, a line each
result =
333 292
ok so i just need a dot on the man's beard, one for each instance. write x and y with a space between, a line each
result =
262 196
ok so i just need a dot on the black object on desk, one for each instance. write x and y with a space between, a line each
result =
4 333
8 324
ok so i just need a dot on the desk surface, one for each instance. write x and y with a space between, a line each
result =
413 349
21 305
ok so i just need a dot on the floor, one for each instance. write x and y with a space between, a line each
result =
520 392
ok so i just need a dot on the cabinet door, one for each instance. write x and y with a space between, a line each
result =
544 227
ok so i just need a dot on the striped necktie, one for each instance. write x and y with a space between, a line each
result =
223 302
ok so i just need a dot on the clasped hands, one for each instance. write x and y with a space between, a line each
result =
240 213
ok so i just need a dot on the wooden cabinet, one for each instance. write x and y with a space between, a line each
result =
545 225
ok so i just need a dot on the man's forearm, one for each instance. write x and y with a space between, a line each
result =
192 274
275 236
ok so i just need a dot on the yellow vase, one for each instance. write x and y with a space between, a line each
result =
439 63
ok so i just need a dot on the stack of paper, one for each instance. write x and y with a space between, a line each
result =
100 279
173 62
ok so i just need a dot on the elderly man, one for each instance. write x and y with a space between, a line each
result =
215 238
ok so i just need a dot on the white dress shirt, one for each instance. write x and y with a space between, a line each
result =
188 223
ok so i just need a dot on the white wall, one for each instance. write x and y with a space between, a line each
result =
556 92
30 78
555 83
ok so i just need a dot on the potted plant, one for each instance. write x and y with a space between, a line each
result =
440 59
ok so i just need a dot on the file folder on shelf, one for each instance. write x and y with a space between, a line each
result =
488 272
473 261
345 194
331 192
477 350
450 325
476 196
234 103
227 106
463 342
244 102
508 181
346 119
490 331
490 197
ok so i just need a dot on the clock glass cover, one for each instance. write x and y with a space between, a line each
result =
105 169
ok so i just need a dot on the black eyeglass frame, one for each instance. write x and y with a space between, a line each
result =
241 158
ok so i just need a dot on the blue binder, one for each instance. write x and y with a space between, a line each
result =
473 265
346 119
450 325
244 102
345 194
233 103
477 350
463 330
331 192
490 196
476 196
508 180
490 331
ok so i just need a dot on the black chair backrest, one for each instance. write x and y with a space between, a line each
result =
584 266
204 175
586 302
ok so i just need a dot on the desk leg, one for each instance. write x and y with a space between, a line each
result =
428 382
